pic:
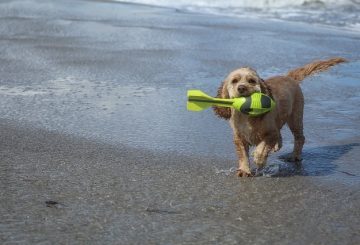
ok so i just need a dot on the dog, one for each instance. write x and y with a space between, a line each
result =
263 131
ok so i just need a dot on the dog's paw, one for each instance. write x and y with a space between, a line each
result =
242 173
277 147
292 159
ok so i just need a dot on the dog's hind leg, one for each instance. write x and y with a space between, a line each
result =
295 123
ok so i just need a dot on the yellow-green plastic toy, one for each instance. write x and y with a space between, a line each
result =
253 105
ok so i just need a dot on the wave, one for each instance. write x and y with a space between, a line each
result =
259 4
341 13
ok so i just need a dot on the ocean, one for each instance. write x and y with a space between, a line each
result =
339 13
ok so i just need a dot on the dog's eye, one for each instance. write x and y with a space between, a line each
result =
234 81
252 81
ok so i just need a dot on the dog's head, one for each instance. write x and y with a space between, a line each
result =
241 82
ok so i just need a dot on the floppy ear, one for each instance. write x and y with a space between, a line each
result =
265 89
222 112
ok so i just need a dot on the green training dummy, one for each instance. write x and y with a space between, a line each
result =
253 105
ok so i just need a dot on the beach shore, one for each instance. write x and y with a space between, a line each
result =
97 146
65 190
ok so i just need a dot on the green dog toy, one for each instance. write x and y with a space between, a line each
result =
253 105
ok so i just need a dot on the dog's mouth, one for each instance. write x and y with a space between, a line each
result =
244 94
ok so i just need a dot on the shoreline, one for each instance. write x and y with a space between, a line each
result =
115 158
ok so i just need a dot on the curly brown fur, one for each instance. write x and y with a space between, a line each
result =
264 131
301 73
222 112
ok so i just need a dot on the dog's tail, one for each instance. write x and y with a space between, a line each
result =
301 73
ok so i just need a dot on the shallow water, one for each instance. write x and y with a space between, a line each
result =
93 81
117 75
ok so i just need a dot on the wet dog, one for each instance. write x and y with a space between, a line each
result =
264 131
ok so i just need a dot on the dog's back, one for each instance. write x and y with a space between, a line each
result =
288 97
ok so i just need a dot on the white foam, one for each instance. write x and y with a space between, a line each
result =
227 172
354 27
240 3
343 13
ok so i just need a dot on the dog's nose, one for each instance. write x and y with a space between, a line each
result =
241 89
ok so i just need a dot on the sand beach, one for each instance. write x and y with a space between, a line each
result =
97 147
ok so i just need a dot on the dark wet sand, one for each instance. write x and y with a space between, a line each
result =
96 146
119 195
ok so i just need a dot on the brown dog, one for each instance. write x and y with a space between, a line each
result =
264 131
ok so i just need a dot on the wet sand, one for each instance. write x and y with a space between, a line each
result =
120 195
98 148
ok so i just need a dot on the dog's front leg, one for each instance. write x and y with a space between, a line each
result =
242 150
261 153
264 147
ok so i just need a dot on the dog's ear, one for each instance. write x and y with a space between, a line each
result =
265 89
222 112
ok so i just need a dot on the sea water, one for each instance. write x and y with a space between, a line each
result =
344 13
